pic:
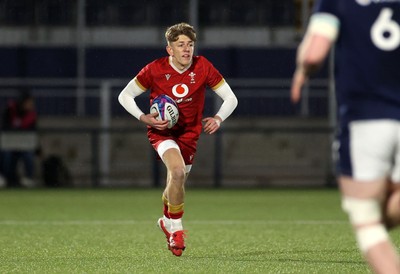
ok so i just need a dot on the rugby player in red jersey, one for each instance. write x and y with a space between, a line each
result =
184 78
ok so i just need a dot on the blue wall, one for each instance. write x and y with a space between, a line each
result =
125 62
60 62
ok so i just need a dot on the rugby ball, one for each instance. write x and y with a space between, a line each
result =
166 108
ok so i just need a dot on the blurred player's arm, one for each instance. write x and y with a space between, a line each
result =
321 33
211 124
127 99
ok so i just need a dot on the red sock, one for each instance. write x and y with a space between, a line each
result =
165 210
176 215
175 211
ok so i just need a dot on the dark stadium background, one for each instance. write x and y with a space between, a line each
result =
47 47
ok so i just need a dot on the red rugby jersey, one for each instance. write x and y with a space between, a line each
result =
186 87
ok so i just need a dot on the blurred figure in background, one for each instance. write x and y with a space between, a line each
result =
19 115
368 93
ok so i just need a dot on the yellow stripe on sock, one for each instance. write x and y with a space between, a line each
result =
175 208
164 199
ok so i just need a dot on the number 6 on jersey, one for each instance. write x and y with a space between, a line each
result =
385 32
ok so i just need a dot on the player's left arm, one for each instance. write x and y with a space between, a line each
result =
212 124
321 33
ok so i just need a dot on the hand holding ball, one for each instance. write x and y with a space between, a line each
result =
166 108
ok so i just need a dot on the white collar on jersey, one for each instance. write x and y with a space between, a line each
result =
180 71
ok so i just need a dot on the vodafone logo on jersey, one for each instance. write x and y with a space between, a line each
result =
180 90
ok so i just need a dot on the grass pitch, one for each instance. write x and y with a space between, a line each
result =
229 231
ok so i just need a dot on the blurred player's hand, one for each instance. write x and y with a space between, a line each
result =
299 79
150 120
211 124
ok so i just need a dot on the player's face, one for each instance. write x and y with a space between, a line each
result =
181 51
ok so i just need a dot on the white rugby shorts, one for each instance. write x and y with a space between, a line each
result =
167 144
370 150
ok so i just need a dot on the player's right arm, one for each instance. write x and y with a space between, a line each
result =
127 99
320 35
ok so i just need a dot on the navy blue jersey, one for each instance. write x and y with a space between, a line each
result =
367 57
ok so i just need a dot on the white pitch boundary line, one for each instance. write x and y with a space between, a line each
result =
199 222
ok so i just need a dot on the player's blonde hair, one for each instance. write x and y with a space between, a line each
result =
173 32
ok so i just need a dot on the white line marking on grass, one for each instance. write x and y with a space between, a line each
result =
72 222
271 222
198 222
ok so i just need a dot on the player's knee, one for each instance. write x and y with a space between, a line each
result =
366 217
178 173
